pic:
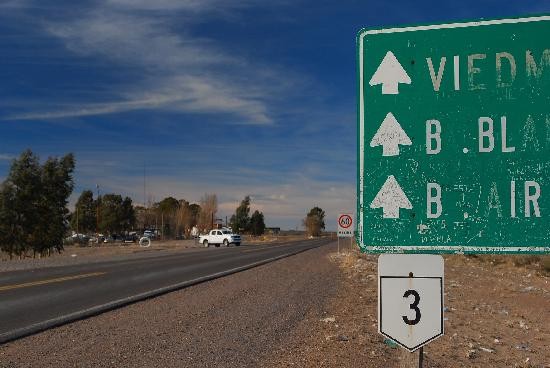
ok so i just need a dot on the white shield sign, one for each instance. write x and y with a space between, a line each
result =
410 298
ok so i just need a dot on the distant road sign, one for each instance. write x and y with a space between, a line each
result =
410 298
454 137
345 225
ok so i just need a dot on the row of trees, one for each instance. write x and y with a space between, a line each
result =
109 213
241 221
33 204
171 216
34 215
177 217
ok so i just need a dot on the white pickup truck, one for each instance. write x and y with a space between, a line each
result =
220 236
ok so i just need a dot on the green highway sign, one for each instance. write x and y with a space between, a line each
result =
454 137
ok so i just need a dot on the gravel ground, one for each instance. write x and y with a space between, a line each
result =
236 321
498 316
316 309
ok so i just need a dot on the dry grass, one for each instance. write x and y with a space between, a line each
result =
539 263
545 263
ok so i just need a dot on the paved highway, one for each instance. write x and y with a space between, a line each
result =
35 300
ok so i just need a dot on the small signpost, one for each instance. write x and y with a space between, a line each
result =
345 227
454 156
410 298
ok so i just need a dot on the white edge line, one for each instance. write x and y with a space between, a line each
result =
458 248
102 308
360 210
454 25
362 107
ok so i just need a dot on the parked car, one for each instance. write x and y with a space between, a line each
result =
131 237
149 234
97 239
81 239
220 236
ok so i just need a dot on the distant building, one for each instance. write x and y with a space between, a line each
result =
272 230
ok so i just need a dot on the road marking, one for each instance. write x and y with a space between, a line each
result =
95 310
50 281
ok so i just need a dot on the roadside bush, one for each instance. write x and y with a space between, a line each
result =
520 260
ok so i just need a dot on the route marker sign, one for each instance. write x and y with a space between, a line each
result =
410 298
345 225
454 137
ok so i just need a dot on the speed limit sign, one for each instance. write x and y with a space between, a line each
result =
345 225
410 298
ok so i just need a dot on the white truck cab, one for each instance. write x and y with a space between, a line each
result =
220 236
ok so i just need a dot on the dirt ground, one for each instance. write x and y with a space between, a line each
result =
497 315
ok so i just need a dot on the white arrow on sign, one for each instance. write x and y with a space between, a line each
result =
390 135
391 198
390 73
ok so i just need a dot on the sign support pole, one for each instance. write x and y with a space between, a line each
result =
420 357
338 245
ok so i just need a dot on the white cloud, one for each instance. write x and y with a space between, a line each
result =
180 72
186 5
13 3
284 199
6 157
283 204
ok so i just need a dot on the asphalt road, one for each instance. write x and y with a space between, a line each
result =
31 301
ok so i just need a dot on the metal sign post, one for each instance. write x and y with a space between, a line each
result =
454 147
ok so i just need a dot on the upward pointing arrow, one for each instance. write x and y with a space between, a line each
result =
391 198
390 135
390 73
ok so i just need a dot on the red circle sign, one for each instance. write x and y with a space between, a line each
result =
345 221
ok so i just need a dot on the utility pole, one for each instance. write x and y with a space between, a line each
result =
97 211
144 188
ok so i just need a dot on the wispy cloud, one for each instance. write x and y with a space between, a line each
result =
13 3
6 157
180 72
186 5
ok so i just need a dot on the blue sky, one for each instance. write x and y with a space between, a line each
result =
226 97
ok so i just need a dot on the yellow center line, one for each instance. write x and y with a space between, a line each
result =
50 281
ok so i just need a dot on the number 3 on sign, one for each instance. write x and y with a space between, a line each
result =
410 298
413 306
